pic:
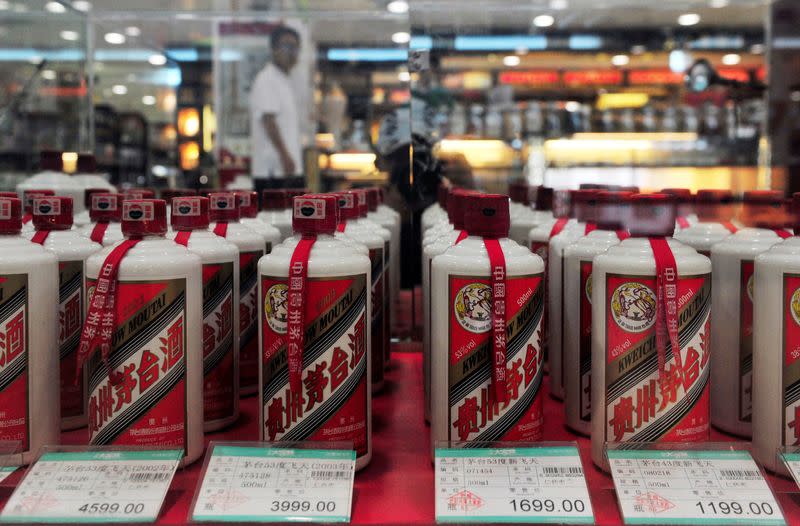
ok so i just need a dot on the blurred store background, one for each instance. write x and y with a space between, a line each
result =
555 92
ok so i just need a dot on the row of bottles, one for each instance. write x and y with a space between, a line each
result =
611 256
155 329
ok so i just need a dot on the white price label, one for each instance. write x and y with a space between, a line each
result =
255 484
94 486
536 485
697 487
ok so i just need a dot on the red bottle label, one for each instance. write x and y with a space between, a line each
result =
745 402
585 341
640 406
70 323
139 397
248 316
14 419
379 340
542 249
332 405
218 357
475 413
791 369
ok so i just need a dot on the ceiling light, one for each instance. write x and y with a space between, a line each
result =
731 59
397 7
157 60
119 89
82 5
719 4
559 5
757 49
36 59
71 36
620 60
689 19
148 100
4 5
638 49
404 76
572 106
49 74
511 61
679 61
544 21
55 7
114 38
401 37
133 31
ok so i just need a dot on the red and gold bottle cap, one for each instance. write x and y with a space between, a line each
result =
651 215
222 207
106 207
52 213
10 216
315 213
486 215
144 217
189 213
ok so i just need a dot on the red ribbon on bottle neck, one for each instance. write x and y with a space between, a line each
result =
730 226
682 222
461 237
558 226
782 233
666 305
341 226
40 236
27 218
497 281
99 232
622 235
101 316
221 229
590 227
182 237
296 297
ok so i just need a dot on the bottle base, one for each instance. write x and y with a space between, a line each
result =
222 423
74 422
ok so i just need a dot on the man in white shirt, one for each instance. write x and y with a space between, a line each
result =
276 160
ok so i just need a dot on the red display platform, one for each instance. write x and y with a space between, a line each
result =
397 486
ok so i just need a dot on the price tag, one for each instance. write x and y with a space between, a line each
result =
792 461
261 484
93 486
697 487
536 485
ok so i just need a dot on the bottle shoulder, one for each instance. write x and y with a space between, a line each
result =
328 255
70 243
471 256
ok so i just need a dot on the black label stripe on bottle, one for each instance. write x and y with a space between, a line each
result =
316 347
68 289
14 303
675 414
505 423
216 356
126 418
483 373
649 365
225 290
70 345
123 353
792 394
310 424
